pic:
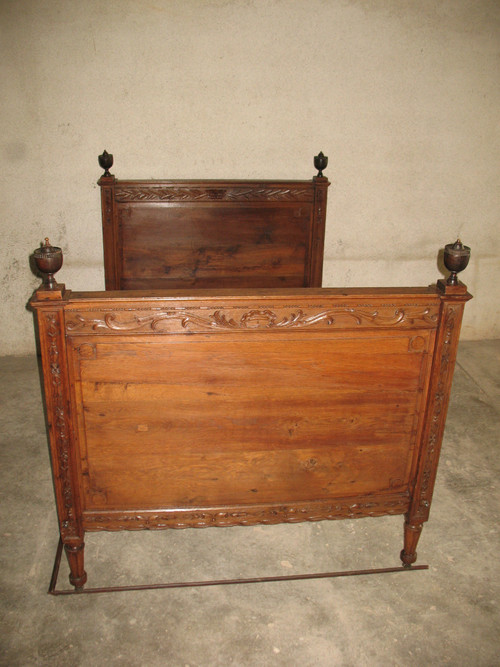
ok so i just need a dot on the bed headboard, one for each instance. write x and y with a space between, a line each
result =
162 234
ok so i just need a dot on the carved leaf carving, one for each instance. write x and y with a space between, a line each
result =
437 420
258 193
60 425
235 320
248 516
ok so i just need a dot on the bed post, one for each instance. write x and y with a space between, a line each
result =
48 304
321 183
453 296
109 223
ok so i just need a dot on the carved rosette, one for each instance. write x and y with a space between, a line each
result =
56 405
341 509
237 319
141 193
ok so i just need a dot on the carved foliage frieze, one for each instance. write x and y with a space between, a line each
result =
247 516
238 319
186 193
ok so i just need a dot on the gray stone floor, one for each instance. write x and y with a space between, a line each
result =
446 615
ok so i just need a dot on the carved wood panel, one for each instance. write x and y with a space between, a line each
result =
173 193
237 319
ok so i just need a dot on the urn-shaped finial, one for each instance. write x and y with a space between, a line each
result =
106 162
456 257
48 259
320 163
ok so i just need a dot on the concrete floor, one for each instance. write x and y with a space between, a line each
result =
446 615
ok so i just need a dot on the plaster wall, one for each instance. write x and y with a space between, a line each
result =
402 96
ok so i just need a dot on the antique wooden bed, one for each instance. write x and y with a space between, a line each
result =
176 408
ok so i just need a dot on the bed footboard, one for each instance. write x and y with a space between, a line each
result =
182 409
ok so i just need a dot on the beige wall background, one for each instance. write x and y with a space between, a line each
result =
402 95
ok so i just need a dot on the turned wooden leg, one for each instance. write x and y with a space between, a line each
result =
412 533
74 553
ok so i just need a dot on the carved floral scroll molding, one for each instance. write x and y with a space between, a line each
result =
320 203
60 424
193 320
183 194
247 516
437 419
108 204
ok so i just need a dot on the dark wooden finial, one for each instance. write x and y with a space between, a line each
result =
48 259
456 257
106 162
320 163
